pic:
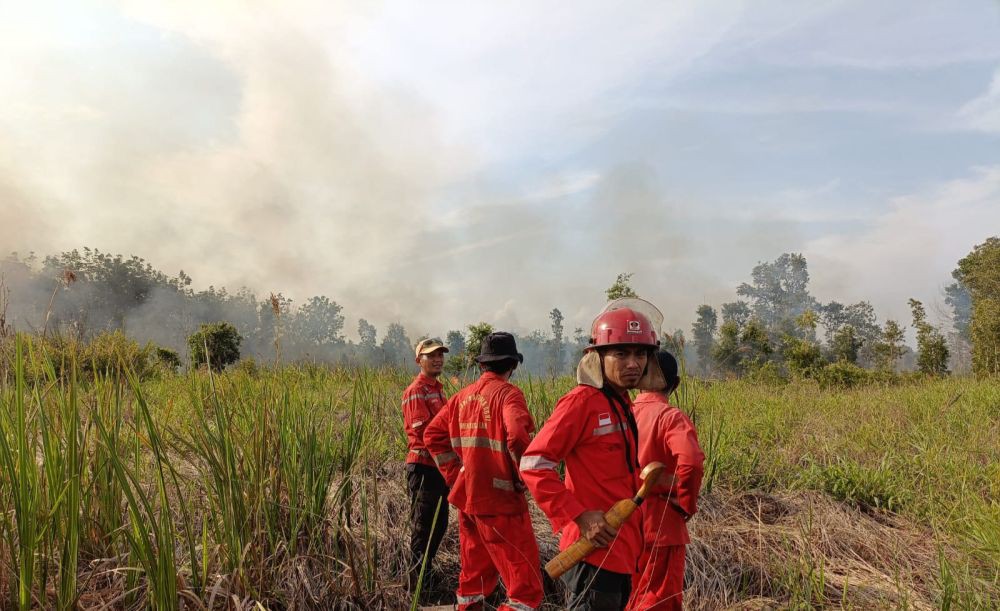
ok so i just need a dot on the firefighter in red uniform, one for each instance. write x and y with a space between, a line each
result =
594 431
422 399
477 440
666 435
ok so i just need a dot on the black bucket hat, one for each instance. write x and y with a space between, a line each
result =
668 365
498 346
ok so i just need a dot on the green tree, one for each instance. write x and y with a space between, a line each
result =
756 344
319 323
456 360
958 297
674 343
556 347
396 345
621 288
703 333
845 345
866 332
222 341
802 354
737 312
889 349
742 350
474 342
455 342
932 348
779 292
725 352
367 334
980 272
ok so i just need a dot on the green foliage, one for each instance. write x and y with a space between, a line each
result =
556 359
779 291
621 287
803 358
703 334
980 272
736 312
397 349
106 354
474 341
957 296
741 350
842 374
889 349
319 323
725 352
877 487
932 347
367 335
455 342
167 358
181 483
765 373
985 331
845 345
222 342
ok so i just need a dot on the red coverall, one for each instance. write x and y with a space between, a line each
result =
421 400
586 432
666 435
477 440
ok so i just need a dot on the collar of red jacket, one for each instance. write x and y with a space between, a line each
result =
652 397
423 378
489 375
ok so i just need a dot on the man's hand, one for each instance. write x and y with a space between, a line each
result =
672 502
593 527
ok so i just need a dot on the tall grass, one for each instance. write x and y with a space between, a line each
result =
284 488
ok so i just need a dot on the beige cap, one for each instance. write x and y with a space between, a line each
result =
429 345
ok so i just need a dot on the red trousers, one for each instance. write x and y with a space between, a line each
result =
498 547
659 583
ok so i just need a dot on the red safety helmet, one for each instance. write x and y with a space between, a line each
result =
623 326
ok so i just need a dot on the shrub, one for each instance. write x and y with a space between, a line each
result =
767 373
167 358
842 374
114 353
106 354
865 487
222 341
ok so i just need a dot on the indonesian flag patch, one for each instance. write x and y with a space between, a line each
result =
603 419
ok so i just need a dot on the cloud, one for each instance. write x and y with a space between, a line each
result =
983 112
910 250
444 163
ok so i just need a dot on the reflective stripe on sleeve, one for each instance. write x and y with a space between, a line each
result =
503 484
423 453
537 462
433 395
468 600
445 458
477 442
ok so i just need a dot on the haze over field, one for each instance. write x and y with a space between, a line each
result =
506 160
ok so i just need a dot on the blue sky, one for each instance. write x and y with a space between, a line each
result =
443 163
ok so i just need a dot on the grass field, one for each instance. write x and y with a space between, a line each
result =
284 489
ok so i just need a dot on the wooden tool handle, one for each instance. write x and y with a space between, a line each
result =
582 547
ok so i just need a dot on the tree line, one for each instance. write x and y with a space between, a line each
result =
774 327
777 326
